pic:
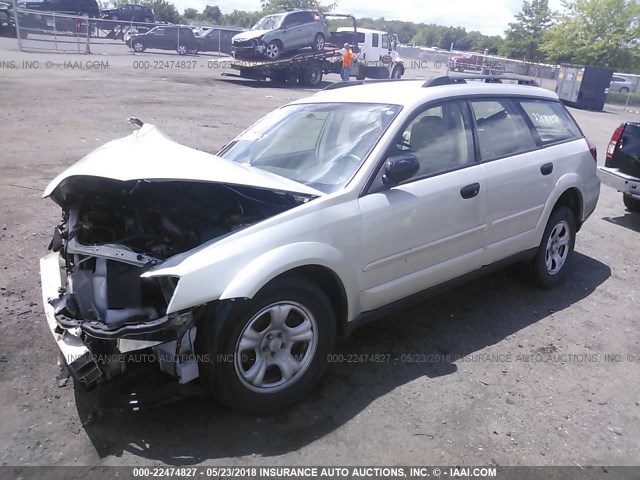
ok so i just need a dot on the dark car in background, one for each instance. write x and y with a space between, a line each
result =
622 166
217 39
71 7
165 37
6 14
130 13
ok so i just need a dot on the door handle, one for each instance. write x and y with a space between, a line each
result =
470 191
546 169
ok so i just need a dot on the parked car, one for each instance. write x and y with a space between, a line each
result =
622 165
130 13
6 14
217 39
243 268
622 85
474 62
284 32
72 7
166 37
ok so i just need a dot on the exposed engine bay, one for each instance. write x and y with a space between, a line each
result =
112 231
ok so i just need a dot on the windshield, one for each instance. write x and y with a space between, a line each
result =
321 145
270 22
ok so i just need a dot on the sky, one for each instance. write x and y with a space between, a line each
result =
491 17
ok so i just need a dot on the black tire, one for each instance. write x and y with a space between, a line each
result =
138 46
624 90
360 76
279 76
397 72
632 203
561 219
312 76
220 337
318 43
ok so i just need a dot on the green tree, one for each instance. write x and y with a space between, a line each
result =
596 32
164 11
524 36
190 13
212 13
281 4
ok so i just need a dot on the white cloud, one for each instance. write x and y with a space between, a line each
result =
489 17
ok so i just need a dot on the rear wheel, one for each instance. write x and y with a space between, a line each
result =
182 49
277 345
138 46
311 76
397 72
624 90
550 263
631 203
318 43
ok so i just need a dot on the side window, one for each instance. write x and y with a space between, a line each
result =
440 137
160 31
385 42
292 20
306 17
501 129
551 121
375 40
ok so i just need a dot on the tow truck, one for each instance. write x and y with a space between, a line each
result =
376 57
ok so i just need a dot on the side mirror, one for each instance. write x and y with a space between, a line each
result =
399 168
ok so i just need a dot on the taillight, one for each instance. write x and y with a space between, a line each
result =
593 150
615 138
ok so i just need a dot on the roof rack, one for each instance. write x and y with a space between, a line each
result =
455 79
352 83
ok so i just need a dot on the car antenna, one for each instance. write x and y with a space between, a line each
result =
135 121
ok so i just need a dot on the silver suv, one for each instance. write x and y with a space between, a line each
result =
278 33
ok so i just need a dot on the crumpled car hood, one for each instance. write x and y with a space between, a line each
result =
250 34
148 154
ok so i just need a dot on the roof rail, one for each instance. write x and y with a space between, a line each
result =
455 79
352 83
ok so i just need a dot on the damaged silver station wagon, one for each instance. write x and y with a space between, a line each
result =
242 268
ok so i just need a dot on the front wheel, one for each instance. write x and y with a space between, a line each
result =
274 346
632 203
138 46
397 72
182 50
550 263
273 50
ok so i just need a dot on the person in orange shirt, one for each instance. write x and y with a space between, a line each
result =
347 60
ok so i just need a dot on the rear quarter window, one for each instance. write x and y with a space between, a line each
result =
551 121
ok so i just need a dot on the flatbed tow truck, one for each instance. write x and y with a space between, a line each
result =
375 53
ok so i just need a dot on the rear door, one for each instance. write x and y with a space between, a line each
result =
522 143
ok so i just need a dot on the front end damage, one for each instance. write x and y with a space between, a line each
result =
106 316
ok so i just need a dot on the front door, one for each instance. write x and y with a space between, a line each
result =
429 229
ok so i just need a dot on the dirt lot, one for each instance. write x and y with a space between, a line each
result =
515 376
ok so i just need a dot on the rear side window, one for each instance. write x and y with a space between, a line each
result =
501 128
551 121
375 41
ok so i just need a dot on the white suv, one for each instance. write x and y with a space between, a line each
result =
244 268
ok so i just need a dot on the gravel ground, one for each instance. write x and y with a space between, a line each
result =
514 375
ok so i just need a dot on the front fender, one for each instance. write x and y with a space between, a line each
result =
260 271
